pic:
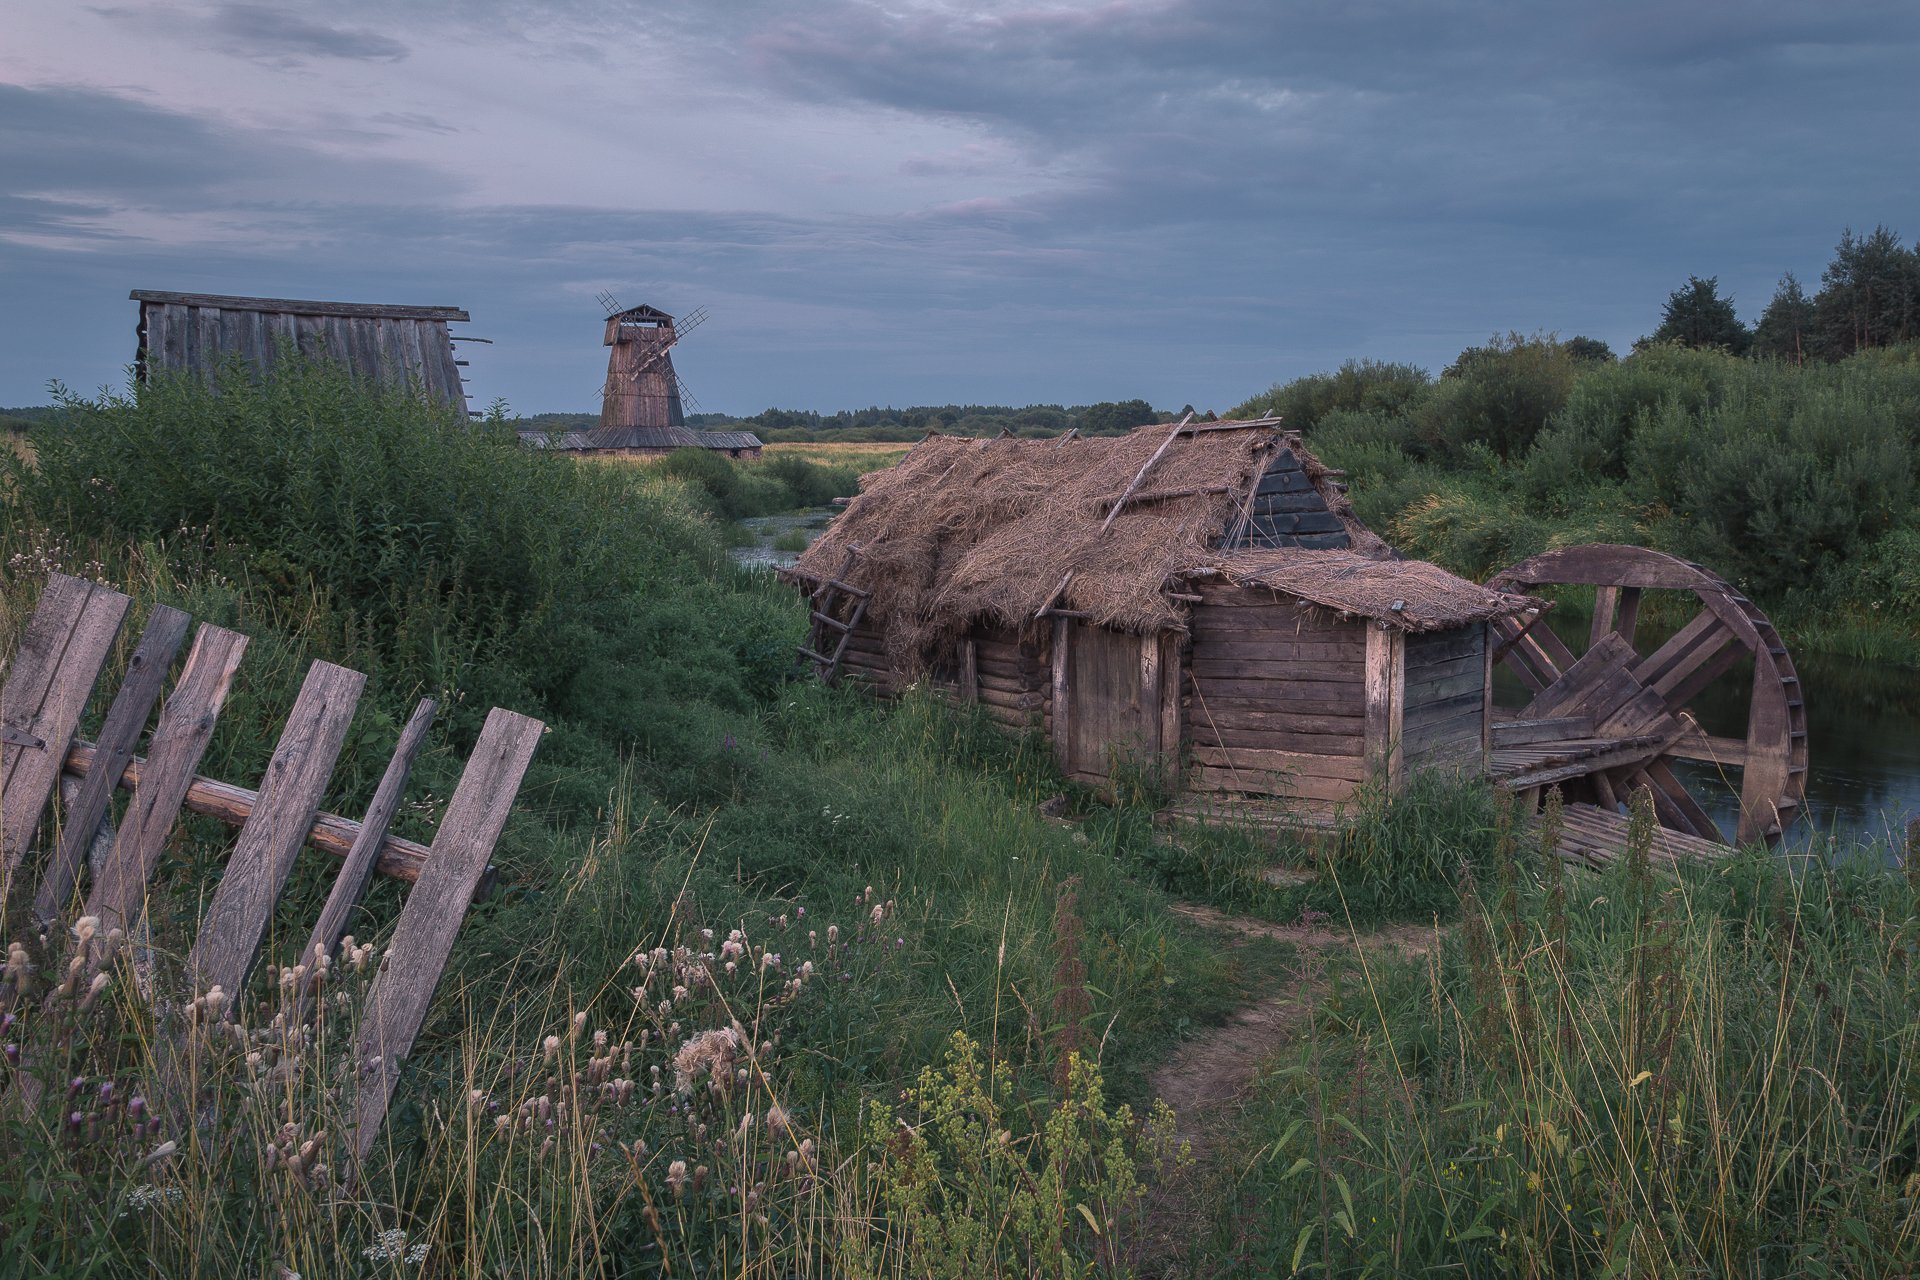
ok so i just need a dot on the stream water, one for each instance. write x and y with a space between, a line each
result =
764 531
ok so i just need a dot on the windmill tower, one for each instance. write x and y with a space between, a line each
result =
642 400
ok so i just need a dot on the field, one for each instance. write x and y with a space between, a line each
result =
861 457
783 982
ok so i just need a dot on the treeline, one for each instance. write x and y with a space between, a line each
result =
1869 297
883 425
1796 481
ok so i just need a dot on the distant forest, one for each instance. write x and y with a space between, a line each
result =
878 425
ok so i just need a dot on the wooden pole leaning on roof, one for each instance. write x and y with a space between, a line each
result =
1139 476
1142 473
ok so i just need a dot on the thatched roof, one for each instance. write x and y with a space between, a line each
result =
964 531
1411 595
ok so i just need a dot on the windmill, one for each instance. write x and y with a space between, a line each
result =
643 398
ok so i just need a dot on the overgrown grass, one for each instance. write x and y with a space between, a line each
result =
1711 1073
685 784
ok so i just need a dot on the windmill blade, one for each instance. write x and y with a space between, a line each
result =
687 399
608 303
689 322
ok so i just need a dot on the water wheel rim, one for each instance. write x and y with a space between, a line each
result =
1774 756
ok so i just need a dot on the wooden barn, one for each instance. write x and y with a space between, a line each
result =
1198 600
395 345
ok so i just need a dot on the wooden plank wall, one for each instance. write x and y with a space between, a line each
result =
390 350
1014 679
1276 701
1443 723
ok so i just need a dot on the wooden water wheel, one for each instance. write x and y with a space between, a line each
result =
1617 716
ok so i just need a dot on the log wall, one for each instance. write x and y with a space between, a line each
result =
1276 701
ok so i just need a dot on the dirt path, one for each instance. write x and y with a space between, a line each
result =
1208 1081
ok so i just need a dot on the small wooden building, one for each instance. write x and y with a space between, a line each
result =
395 345
1198 601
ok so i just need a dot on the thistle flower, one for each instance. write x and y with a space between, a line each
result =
677 1176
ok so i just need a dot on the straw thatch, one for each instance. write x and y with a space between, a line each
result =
1410 595
964 531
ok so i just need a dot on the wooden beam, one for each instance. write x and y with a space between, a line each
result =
1062 714
330 833
298 306
1384 699
1142 473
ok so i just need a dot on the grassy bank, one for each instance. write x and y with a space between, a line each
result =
893 853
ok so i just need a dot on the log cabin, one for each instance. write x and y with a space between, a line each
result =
1198 600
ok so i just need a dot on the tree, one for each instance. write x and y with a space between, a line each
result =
1697 316
1869 294
1589 350
1786 326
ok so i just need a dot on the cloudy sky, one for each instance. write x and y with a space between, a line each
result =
915 201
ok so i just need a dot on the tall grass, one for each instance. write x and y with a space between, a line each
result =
686 784
1711 1074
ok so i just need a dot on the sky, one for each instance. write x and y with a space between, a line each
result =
916 201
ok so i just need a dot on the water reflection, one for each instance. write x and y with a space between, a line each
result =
1863 739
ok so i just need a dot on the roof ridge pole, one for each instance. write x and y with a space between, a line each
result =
1142 475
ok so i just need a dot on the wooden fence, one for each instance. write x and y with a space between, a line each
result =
59 660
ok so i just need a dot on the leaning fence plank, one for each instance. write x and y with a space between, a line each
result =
59 658
236 919
423 937
180 739
139 690
358 868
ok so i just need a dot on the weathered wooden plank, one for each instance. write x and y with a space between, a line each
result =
1061 708
65 644
1284 480
1518 733
1327 744
1569 695
1172 704
1423 692
1258 782
357 869
423 936
1279 693
1209 698
1431 672
1276 671
140 687
179 740
1430 647
296 779
1383 700
1303 764
1466 702
1460 730
1279 647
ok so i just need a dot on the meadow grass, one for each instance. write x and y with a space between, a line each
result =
1617 1074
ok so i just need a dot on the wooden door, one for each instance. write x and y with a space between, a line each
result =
1115 685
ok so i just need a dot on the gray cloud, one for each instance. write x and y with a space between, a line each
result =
1182 199
259 30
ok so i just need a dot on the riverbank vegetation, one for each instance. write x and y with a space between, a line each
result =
784 982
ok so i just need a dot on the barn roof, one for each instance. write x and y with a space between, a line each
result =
1411 595
399 346
962 531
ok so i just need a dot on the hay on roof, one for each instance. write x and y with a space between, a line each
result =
962 531
1410 595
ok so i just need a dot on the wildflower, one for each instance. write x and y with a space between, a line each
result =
389 1246
677 1175
710 1053
550 1048
879 913
777 1119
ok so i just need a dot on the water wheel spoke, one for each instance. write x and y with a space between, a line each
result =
1675 804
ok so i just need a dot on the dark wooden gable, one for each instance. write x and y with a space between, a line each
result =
1288 511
